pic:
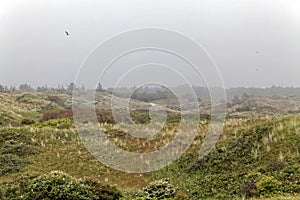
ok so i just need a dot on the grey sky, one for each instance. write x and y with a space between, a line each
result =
35 49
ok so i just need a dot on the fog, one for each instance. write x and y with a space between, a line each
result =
252 42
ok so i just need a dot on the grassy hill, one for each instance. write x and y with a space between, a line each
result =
256 158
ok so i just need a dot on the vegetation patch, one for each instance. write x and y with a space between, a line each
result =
63 123
27 121
268 186
58 114
17 148
263 149
28 98
15 145
6 120
55 99
10 163
58 185
256 157
161 189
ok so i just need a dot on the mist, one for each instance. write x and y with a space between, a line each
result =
252 42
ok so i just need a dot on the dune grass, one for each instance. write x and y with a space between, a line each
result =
262 147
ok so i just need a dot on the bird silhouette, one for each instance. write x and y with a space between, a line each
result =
67 33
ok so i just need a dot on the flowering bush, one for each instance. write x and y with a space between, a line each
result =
160 189
58 185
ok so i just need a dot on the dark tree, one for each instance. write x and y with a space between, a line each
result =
236 100
25 87
99 88
71 86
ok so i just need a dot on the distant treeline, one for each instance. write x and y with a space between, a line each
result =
242 91
202 93
61 88
156 93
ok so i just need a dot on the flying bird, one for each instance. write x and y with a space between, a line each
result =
67 33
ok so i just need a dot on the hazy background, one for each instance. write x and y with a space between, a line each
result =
253 42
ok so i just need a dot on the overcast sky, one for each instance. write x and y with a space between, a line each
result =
253 42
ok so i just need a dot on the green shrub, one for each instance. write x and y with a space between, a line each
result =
160 189
58 185
5 120
22 135
222 174
28 98
275 165
49 107
10 163
63 123
140 116
268 186
14 145
103 191
290 177
17 148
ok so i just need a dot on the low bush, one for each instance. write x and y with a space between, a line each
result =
58 185
27 121
10 163
268 186
56 99
243 109
14 145
5 119
103 191
58 114
249 185
105 116
27 98
49 107
140 116
161 189
22 135
290 176
17 148
63 123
